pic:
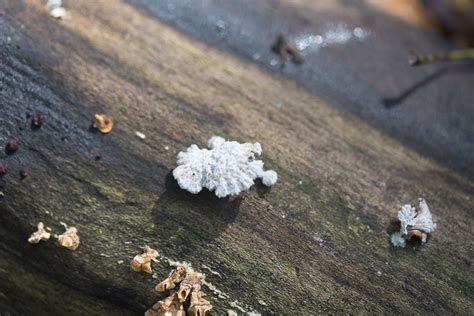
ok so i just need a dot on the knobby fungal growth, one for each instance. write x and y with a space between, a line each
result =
143 262
185 297
227 167
69 239
39 235
414 222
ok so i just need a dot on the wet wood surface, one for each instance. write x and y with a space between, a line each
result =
315 243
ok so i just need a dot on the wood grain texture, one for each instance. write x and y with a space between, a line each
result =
315 243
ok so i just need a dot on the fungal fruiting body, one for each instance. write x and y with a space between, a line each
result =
104 123
39 235
185 297
38 120
143 262
226 167
69 239
414 222
12 145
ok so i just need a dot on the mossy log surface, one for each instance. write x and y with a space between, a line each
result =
315 243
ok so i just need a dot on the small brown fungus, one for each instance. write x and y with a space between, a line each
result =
23 172
191 283
3 167
143 262
39 235
69 239
285 50
175 276
38 120
198 305
103 123
12 145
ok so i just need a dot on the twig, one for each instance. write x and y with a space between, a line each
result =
421 59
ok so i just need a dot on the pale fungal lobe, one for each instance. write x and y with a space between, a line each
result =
69 239
226 167
39 235
398 240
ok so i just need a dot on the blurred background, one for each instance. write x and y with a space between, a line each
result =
356 55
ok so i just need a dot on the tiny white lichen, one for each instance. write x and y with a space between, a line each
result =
226 167
414 221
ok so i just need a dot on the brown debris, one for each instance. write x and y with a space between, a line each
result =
286 51
187 297
69 239
103 123
39 235
143 262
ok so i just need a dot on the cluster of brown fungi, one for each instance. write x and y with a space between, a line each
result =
183 286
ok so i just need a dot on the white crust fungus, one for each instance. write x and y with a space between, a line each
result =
414 222
226 167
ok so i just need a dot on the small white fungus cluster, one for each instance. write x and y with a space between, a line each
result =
414 221
227 167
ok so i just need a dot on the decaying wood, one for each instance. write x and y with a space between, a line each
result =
316 242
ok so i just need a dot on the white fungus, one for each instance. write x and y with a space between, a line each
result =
414 221
398 240
55 9
227 167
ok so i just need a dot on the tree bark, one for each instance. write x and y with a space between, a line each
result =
315 243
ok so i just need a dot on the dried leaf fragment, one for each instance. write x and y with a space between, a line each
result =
143 262
69 239
39 235
103 123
